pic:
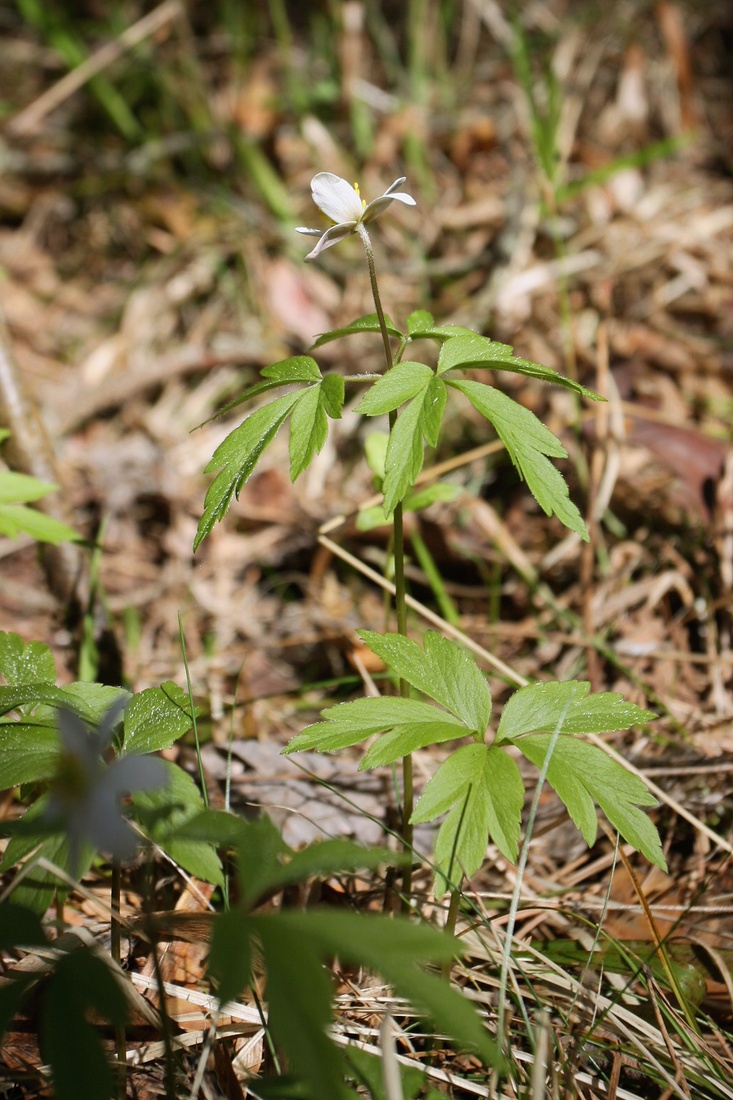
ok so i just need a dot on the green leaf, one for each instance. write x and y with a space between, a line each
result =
165 810
375 452
433 408
25 664
155 718
265 861
299 368
369 518
538 708
15 519
370 323
29 752
443 671
527 441
471 350
400 384
259 856
421 326
69 1042
349 723
580 772
482 788
308 421
332 395
20 927
30 695
410 737
395 949
230 958
405 451
218 827
299 997
39 886
440 492
308 430
237 457
331 857
21 488
95 698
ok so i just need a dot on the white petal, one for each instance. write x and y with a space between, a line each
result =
378 206
332 236
76 740
309 232
132 773
402 196
109 721
336 198
105 828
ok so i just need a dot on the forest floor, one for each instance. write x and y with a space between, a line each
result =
581 211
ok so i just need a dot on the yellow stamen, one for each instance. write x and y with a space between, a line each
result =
363 201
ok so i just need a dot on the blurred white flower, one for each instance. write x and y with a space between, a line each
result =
85 792
343 204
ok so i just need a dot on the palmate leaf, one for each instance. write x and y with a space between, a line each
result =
528 442
481 788
442 670
293 946
405 724
580 773
396 949
469 349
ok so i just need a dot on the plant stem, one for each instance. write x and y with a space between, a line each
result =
398 541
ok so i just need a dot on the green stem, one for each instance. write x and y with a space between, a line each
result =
398 541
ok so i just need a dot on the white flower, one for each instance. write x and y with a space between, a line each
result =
85 792
343 204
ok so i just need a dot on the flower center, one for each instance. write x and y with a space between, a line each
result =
363 201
